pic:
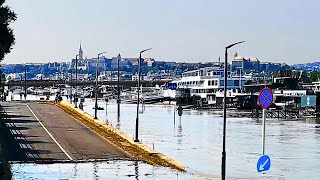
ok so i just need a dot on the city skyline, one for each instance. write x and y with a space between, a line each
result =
181 31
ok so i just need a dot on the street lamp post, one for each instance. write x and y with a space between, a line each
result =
76 84
224 155
70 84
25 82
138 99
118 88
96 89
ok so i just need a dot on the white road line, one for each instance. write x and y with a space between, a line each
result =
65 152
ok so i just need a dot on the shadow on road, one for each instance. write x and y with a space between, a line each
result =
18 147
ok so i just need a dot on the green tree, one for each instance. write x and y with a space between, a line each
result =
314 76
7 39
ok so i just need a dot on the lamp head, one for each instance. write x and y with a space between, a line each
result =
145 50
101 53
234 44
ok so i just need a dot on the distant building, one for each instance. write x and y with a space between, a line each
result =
80 53
135 78
171 63
40 76
104 63
13 76
126 77
123 63
149 61
245 64
133 61
82 63
273 67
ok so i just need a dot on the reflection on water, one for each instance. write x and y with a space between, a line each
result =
95 171
75 169
313 120
118 123
180 136
120 170
136 169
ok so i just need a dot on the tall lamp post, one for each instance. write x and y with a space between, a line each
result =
76 84
118 88
25 82
70 84
96 89
224 155
138 99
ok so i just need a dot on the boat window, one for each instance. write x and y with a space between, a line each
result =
209 90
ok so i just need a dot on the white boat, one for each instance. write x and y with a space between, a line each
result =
209 82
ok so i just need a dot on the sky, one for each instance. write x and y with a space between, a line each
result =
177 30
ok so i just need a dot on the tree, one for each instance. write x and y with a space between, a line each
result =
7 39
314 76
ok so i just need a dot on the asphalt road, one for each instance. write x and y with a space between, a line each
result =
43 132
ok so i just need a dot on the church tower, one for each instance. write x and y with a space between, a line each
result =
80 53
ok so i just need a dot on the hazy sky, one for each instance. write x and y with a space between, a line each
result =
177 30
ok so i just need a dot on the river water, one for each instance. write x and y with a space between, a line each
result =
196 140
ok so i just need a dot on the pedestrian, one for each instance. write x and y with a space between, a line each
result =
59 98
81 105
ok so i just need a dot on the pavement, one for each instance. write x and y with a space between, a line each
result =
45 133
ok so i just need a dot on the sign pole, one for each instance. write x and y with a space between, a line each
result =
265 101
263 130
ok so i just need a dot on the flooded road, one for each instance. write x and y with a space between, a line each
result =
113 170
293 145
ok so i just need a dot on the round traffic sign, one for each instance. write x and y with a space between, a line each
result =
265 98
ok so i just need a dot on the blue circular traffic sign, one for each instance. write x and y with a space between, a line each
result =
265 98
264 163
